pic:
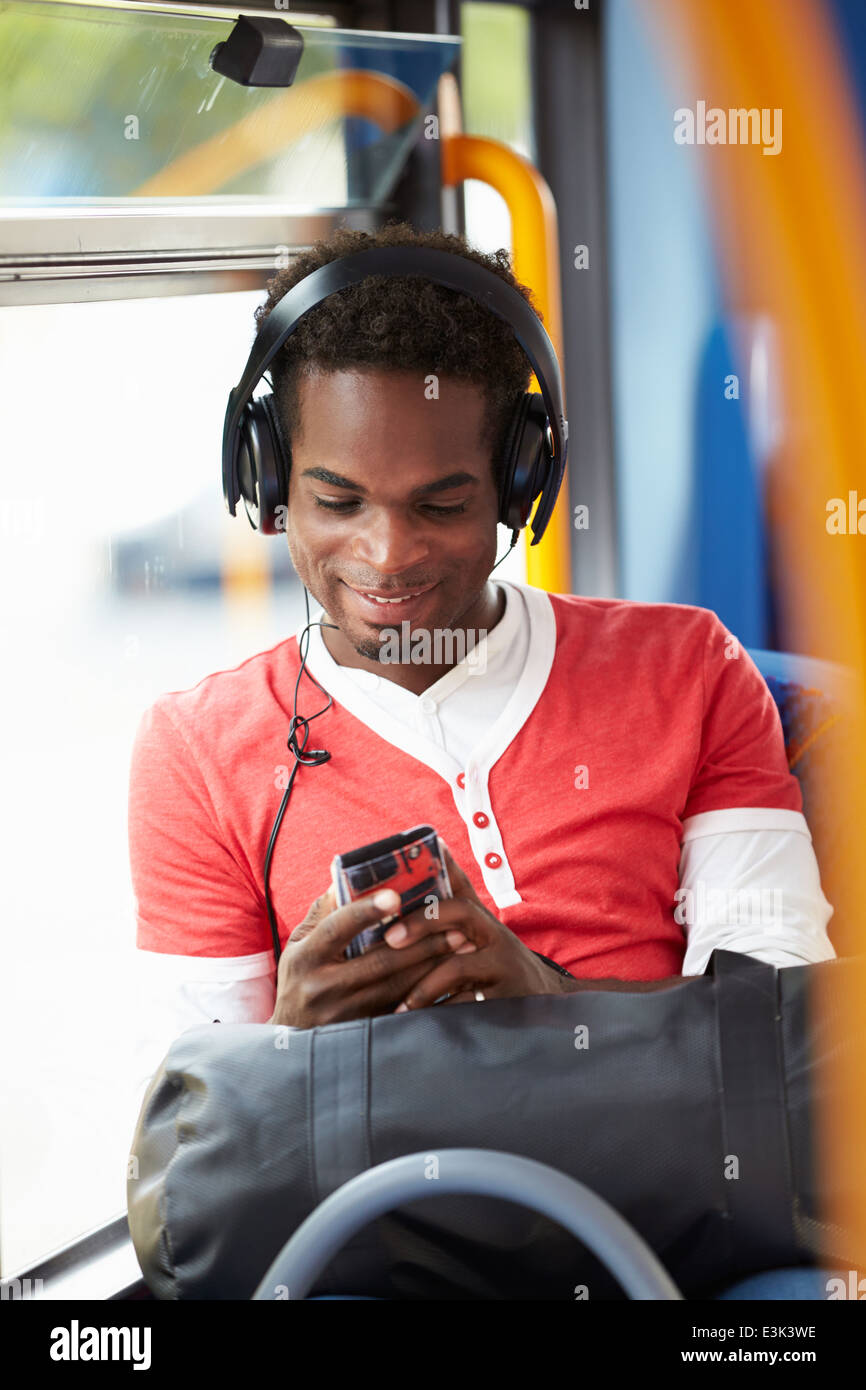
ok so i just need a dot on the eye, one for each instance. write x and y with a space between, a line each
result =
345 507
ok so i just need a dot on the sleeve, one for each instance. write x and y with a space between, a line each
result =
742 760
200 925
192 895
749 882
174 993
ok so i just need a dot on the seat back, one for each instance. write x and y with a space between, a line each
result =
813 698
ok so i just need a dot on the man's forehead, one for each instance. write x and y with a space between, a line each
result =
362 409
405 385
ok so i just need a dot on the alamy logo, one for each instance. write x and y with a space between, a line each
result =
77 1343
737 907
444 646
14 1289
738 126
855 1288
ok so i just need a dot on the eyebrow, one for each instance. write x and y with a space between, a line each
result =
324 475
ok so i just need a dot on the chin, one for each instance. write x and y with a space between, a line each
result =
371 650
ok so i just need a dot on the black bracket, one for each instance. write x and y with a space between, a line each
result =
260 52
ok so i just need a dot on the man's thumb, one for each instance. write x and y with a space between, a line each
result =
318 909
461 884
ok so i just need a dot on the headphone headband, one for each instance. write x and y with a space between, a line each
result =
442 267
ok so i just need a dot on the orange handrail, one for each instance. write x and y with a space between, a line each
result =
792 228
258 135
535 259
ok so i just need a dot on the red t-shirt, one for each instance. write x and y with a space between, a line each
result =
650 714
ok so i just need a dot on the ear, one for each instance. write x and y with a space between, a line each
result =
461 884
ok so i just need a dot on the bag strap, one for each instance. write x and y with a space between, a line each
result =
339 1078
339 1071
757 1171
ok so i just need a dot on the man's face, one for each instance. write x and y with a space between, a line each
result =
394 493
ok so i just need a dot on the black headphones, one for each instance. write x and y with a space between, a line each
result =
256 459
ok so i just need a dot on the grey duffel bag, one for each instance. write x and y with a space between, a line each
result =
689 1109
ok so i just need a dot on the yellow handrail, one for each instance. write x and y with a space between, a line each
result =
535 260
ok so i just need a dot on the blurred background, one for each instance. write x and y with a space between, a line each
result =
144 203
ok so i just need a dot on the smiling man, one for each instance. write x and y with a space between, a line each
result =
422 480
606 758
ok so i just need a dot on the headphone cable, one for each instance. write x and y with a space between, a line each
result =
311 759
315 755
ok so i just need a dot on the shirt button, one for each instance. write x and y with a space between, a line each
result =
480 819
461 781
492 861
428 705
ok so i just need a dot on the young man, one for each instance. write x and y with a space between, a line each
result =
609 776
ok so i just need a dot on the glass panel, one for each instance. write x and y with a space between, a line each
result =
132 580
495 68
497 102
103 103
496 96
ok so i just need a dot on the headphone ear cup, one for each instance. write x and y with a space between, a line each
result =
282 462
509 462
262 466
527 460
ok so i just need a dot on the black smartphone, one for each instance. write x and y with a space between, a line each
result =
411 862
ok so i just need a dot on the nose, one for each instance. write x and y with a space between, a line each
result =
390 543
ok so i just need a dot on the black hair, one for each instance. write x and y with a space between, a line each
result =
402 323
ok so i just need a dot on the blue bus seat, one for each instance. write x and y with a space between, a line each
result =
813 699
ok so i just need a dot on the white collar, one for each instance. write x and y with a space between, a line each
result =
536 606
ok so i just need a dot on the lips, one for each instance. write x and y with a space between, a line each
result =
392 604
389 598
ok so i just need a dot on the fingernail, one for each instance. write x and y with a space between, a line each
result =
464 950
402 1009
394 935
455 938
387 899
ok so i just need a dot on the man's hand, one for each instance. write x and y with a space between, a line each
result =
315 982
494 960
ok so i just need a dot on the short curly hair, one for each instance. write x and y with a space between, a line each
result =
403 323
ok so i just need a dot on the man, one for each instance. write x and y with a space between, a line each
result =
609 777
